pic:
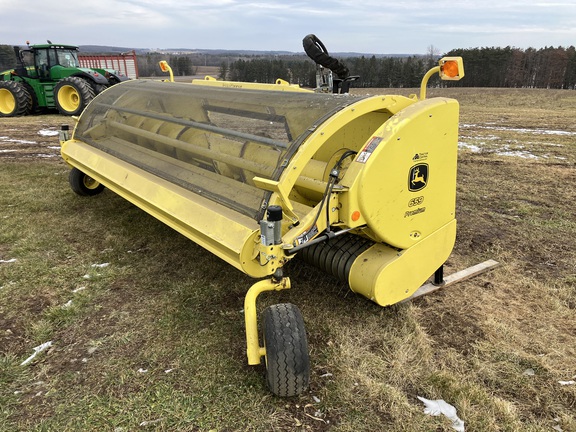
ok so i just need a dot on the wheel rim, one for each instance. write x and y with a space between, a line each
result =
69 98
7 101
90 183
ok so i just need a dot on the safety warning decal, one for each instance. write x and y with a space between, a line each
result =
368 149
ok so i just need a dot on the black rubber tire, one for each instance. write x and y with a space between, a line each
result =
34 106
316 50
99 88
84 185
287 359
15 99
72 95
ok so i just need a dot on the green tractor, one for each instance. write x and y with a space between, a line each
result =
49 76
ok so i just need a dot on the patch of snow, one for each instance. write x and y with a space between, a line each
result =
484 138
439 406
518 153
17 141
8 261
521 130
473 148
48 132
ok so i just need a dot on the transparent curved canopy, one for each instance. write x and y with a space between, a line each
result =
211 141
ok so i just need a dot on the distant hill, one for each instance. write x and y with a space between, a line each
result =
103 49
221 52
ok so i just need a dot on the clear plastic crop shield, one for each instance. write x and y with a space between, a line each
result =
209 141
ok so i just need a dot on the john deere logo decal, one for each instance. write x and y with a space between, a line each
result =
418 178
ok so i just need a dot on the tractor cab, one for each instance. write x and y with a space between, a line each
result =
48 61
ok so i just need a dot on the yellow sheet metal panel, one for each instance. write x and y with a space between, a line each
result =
387 276
403 181
347 129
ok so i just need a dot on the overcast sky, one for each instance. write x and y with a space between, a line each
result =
367 26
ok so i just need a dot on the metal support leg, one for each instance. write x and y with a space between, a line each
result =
253 349
439 276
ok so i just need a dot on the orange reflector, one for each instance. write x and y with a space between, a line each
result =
450 68
355 215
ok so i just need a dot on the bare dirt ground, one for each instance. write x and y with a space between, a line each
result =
31 137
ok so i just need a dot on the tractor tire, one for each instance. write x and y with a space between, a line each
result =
72 95
83 184
99 88
15 99
287 359
34 106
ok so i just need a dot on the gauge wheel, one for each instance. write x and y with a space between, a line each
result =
83 184
287 359
15 99
72 95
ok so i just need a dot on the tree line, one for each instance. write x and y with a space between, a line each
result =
546 67
182 65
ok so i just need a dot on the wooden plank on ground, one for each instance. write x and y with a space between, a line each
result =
460 276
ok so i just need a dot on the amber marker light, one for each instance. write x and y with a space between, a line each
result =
355 215
165 67
451 68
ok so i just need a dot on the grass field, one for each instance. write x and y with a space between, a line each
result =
147 329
